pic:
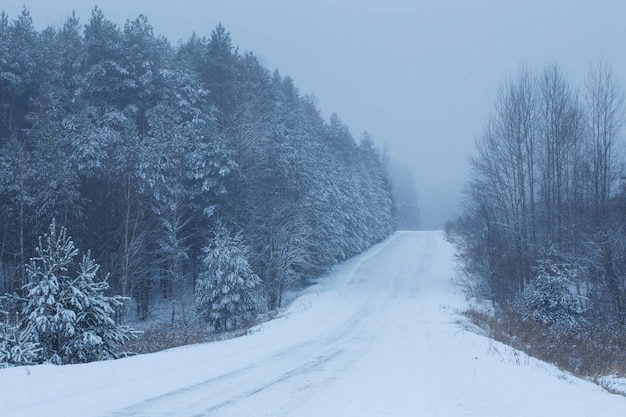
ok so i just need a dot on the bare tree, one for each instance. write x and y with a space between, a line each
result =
605 102
560 139
502 187
605 106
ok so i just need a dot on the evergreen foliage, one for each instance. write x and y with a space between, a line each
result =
139 146
17 346
65 304
549 297
227 291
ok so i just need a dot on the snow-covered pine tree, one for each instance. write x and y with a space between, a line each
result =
226 291
66 305
549 298
17 346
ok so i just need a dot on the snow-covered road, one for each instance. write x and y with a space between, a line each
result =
377 337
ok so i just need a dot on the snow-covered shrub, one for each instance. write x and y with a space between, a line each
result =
17 346
226 291
549 298
66 307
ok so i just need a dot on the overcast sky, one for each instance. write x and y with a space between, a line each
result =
420 76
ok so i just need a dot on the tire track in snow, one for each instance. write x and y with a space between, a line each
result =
321 361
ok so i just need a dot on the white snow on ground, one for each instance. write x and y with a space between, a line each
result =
379 336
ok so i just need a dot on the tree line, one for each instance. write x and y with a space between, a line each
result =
197 178
543 225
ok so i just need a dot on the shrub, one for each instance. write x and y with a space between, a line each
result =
548 298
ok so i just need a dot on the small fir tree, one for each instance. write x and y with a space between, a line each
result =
548 298
66 306
226 291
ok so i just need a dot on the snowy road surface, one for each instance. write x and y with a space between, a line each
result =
377 337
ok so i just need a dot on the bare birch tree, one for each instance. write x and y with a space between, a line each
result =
605 106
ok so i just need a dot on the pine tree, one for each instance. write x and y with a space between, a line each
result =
17 346
66 305
226 292
549 298
404 192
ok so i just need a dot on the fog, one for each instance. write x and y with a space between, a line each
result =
419 76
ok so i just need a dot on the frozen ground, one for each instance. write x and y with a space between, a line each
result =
377 337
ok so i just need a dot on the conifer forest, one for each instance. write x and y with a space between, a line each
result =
197 186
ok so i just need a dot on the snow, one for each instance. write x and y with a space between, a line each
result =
380 335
